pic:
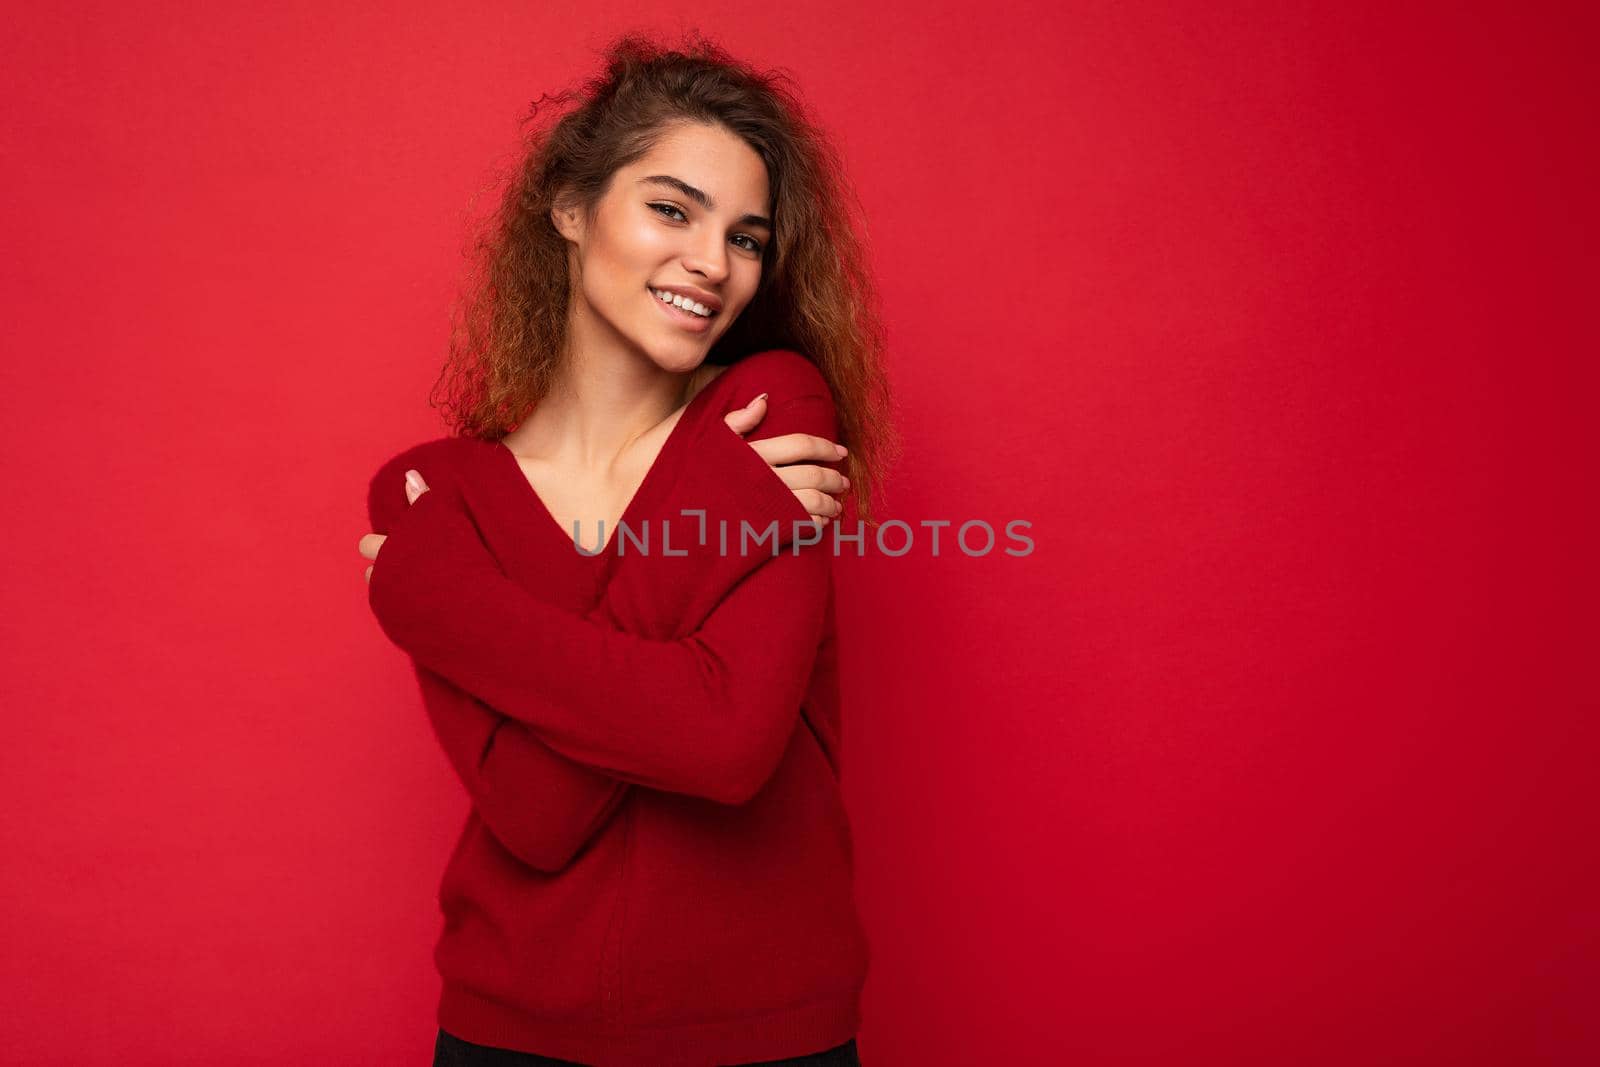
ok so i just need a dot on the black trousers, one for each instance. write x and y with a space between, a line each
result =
452 1051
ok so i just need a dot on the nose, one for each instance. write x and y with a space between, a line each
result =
707 256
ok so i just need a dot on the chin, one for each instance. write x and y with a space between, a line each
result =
680 357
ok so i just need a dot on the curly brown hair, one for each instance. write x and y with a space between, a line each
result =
816 295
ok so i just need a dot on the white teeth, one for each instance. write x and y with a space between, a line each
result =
678 301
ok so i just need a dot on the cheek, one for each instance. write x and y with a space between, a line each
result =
747 291
619 242
618 267
640 241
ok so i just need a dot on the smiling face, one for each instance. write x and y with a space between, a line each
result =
689 218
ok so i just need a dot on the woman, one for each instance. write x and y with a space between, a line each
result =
657 865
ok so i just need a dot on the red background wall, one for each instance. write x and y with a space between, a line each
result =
1269 317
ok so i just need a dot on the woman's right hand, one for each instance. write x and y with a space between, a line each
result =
815 487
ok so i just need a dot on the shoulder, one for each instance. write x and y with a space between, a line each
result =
798 401
441 462
780 371
442 456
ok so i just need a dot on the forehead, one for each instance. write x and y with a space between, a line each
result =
711 159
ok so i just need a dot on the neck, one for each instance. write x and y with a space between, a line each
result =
605 397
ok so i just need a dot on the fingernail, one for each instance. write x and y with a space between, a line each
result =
846 481
763 396
842 450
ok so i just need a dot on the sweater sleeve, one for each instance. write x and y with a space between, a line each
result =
708 714
539 805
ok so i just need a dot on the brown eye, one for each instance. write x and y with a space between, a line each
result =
674 212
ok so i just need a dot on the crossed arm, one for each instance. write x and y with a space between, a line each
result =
707 713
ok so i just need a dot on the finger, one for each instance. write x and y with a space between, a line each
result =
747 418
415 486
808 476
819 503
369 574
797 448
368 546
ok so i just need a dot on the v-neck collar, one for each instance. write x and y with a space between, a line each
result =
650 489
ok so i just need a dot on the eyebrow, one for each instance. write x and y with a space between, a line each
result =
701 198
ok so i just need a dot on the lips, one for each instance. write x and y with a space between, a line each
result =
690 292
686 320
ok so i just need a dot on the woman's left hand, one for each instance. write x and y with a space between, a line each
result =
369 545
810 483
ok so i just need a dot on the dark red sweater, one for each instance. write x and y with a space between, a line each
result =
657 867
